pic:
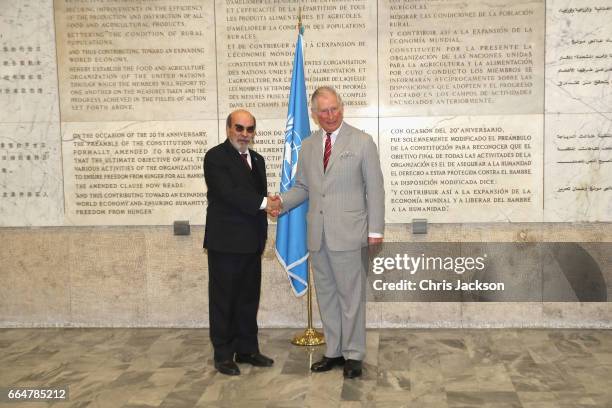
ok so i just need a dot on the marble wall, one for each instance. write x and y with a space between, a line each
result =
146 277
31 181
487 111
493 121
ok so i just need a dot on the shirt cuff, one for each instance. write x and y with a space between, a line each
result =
264 203
375 235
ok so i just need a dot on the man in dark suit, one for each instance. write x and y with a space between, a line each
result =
235 237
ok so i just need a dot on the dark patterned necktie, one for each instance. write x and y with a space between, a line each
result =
327 152
245 160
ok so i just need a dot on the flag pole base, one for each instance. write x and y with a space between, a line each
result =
310 337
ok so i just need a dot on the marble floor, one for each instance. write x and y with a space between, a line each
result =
404 368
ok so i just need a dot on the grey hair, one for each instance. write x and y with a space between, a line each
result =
320 91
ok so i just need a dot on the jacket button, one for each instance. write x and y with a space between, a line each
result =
320 212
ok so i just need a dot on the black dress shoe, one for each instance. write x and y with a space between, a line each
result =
227 367
256 359
326 364
352 368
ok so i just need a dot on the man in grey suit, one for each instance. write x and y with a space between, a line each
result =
339 173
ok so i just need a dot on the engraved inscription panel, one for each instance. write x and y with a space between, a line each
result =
30 174
123 60
578 174
447 57
579 56
256 43
30 156
135 173
463 169
28 77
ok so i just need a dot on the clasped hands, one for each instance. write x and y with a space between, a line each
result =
274 206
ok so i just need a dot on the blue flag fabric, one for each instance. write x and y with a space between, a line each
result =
291 248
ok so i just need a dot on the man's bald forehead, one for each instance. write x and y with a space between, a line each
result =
238 112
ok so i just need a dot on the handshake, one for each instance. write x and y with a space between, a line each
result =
274 206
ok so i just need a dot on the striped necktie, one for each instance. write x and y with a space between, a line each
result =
327 152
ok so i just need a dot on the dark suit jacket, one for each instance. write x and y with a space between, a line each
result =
234 222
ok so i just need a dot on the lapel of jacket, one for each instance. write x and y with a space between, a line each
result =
317 151
261 168
342 141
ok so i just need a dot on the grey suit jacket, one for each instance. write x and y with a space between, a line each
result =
348 200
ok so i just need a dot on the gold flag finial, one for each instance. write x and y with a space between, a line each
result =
300 27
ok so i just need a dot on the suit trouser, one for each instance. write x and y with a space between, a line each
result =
340 279
234 282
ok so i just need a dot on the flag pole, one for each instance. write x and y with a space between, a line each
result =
310 336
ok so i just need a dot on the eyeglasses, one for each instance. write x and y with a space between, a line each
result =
330 111
240 128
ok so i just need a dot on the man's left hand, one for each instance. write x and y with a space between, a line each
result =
374 246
